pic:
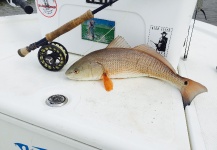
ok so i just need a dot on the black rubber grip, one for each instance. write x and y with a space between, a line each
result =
23 4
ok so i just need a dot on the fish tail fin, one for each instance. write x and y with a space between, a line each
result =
190 90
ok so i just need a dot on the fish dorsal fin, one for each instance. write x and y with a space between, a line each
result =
119 42
147 49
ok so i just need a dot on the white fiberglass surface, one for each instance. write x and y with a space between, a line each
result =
201 66
138 113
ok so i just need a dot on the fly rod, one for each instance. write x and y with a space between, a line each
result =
63 29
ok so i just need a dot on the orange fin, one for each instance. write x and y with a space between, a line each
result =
190 90
107 82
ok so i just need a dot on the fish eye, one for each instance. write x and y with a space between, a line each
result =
76 71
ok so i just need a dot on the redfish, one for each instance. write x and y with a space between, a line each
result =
119 60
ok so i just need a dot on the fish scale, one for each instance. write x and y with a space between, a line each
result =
121 60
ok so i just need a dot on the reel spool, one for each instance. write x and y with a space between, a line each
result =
53 56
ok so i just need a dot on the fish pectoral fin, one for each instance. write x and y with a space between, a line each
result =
107 82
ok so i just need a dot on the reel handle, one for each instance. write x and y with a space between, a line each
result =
69 26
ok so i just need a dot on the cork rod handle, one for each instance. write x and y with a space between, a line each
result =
69 26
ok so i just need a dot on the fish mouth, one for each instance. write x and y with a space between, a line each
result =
68 74
71 77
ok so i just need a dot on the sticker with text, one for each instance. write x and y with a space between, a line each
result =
159 39
48 8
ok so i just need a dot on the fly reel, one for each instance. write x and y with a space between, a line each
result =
53 56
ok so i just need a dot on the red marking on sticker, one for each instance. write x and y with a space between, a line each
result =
48 8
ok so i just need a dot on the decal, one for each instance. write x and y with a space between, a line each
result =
22 146
159 39
98 30
26 147
48 8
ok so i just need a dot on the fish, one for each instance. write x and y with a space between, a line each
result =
119 60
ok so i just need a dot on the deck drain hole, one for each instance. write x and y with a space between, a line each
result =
56 100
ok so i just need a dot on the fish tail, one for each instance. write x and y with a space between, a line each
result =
190 90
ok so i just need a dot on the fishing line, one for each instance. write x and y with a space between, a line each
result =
93 45
75 54
99 41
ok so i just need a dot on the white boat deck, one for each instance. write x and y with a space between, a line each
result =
140 113
201 66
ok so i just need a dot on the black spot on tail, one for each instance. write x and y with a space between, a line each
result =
186 104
